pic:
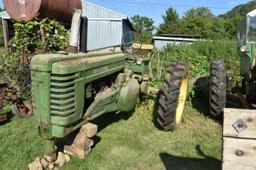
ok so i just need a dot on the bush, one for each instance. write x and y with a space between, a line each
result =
199 56
32 38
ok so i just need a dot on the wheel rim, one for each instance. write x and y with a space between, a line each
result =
182 98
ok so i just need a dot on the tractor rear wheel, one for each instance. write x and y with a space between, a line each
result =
217 96
172 96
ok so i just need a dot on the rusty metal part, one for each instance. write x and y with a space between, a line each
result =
3 118
3 88
146 89
153 91
24 60
27 10
242 99
10 93
22 109
73 49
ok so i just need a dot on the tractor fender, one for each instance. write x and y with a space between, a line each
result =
128 97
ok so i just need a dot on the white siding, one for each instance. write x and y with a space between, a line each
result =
162 42
103 33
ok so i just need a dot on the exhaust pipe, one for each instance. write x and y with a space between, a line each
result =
75 31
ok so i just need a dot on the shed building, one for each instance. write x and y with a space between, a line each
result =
104 27
161 42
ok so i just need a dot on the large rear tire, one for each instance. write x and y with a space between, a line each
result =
172 96
217 96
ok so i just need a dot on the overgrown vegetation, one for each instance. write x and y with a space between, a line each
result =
199 56
32 38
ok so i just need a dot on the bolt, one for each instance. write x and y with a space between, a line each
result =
249 120
240 125
239 153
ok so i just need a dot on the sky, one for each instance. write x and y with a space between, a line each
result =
156 8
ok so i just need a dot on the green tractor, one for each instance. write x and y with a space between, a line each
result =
247 51
71 89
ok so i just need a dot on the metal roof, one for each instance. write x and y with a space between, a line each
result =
178 35
173 39
252 13
91 10
4 15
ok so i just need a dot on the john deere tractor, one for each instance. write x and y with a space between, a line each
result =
70 89
247 51
246 43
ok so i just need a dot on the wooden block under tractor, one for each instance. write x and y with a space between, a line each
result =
89 130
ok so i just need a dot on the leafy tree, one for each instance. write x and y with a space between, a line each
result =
198 21
201 21
218 30
231 26
144 27
199 12
240 10
171 16
233 17
171 22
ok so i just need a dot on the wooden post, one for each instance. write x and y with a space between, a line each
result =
6 34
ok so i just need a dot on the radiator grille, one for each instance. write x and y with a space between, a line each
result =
63 94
